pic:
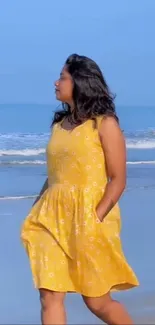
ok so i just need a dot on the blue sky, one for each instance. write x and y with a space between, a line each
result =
36 37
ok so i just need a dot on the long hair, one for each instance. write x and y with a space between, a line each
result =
91 94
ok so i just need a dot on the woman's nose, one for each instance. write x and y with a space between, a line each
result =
56 83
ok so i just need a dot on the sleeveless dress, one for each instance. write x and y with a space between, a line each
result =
69 248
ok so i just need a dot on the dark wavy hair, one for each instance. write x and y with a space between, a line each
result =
91 94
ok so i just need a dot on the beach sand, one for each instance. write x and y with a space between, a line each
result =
20 301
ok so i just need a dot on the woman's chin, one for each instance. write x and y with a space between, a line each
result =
58 97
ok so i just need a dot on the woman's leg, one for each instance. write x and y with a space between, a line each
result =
52 307
108 310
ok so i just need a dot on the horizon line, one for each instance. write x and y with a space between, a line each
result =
51 104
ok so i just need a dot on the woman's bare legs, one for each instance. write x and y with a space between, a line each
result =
104 307
108 310
52 307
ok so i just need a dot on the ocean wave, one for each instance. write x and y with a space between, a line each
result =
147 133
23 144
34 144
24 162
40 151
18 136
143 162
23 152
140 144
20 197
43 162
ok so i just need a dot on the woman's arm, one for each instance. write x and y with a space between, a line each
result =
114 148
44 188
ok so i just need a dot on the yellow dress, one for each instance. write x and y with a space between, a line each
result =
69 249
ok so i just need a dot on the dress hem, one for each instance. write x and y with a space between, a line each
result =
117 287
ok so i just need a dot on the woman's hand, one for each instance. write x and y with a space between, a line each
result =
99 214
44 188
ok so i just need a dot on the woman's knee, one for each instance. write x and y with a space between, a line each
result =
98 305
50 298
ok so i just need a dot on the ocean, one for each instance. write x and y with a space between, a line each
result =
24 133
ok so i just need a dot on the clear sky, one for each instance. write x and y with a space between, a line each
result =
36 37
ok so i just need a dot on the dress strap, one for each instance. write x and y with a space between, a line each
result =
99 121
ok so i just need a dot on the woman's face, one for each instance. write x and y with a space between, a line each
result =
64 87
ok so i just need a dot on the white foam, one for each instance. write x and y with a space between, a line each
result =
24 152
43 162
24 162
140 144
143 162
22 136
20 197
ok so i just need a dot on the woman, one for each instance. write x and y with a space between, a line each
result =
72 234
